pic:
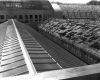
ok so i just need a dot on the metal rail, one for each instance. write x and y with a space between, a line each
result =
12 57
90 72
28 61
39 56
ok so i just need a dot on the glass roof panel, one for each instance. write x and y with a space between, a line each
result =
25 4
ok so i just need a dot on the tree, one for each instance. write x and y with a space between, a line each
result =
93 2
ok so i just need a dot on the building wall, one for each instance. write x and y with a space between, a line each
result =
82 15
57 10
30 17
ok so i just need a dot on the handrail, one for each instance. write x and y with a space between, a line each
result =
28 61
72 73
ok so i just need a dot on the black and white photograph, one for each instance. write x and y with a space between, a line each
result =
49 39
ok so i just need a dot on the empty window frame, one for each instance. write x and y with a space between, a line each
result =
1 16
40 17
20 17
31 16
36 16
44 17
26 16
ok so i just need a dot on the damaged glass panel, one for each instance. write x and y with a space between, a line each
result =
62 34
71 34
96 45
62 28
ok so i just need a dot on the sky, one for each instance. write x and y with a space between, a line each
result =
72 1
